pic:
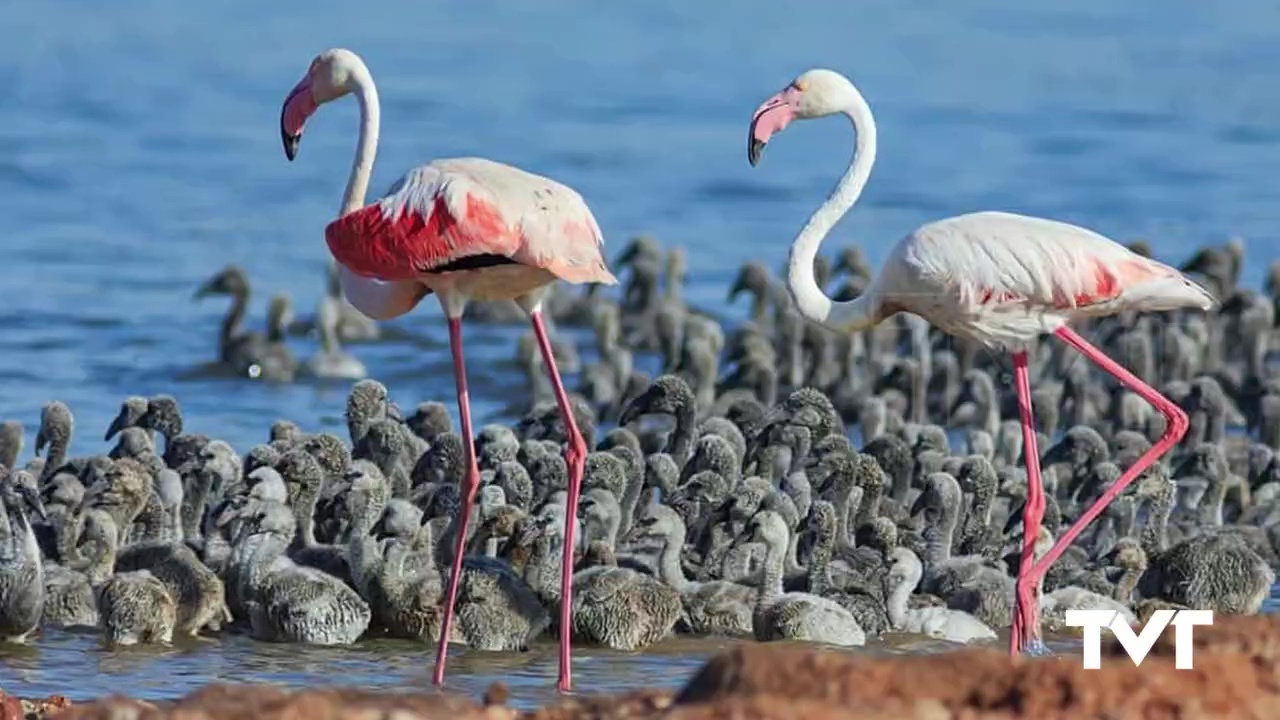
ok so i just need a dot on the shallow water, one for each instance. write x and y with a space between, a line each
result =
76 665
139 153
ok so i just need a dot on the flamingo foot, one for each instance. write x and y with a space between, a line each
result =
1037 648
1026 618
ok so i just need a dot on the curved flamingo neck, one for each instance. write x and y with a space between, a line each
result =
367 147
811 300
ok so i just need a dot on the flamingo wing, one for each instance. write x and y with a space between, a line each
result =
984 261
1003 277
469 213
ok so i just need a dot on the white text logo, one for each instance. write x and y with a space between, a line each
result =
1139 644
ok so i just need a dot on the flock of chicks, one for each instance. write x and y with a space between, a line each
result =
728 498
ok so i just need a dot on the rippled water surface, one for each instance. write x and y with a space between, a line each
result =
140 152
77 666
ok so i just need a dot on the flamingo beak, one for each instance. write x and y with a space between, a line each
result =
394 412
120 423
770 118
298 106
919 505
290 145
33 499
740 282
212 287
530 533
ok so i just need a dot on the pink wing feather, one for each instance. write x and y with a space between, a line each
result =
447 210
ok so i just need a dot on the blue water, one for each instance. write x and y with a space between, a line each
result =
140 152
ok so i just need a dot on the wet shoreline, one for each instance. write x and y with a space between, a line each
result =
1236 675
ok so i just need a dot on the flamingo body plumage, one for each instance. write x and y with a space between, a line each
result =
999 278
455 223
1004 279
460 228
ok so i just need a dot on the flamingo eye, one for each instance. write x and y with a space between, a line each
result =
800 85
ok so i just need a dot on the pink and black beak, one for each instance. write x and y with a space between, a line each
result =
290 144
298 106
771 117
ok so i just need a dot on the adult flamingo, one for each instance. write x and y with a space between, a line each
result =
460 228
997 278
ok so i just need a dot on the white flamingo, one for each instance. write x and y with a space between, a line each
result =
996 278
460 228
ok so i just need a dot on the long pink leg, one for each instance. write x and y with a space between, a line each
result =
470 484
1026 612
1174 431
575 456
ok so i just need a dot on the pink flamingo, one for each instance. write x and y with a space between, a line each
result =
460 228
996 278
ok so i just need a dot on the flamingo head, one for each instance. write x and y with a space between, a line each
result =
815 93
333 73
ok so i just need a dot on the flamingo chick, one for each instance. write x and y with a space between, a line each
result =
996 278
461 228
